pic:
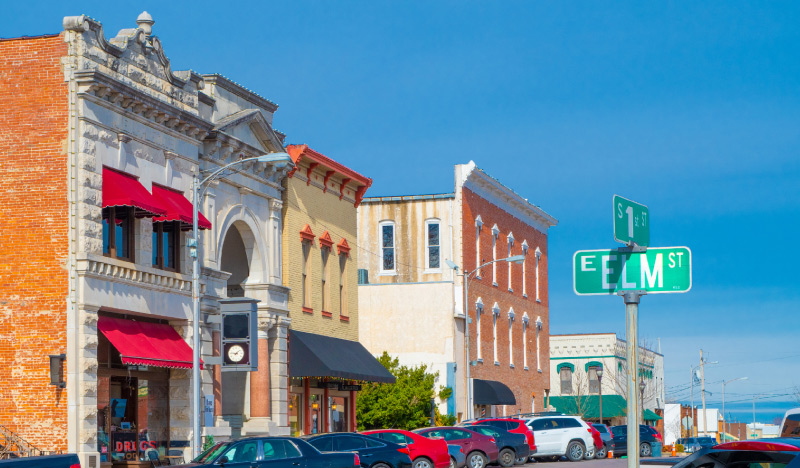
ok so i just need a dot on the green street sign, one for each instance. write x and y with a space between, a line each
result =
631 222
659 270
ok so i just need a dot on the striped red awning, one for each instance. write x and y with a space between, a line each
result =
179 208
120 189
147 343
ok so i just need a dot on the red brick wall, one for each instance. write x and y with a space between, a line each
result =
523 383
33 226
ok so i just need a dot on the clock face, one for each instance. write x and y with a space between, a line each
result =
235 353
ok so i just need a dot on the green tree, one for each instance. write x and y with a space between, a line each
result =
405 404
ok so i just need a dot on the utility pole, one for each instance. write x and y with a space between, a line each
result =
703 391
691 407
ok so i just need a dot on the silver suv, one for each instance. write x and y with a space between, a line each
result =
558 435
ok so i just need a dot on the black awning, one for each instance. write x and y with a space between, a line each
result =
313 355
491 392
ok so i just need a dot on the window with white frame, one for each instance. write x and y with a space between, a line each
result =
326 280
478 312
511 316
525 321
306 275
495 233
495 314
594 381
433 245
538 329
388 264
538 256
524 262
510 239
478 226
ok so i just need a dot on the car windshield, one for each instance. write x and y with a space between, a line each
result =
601 428
211 453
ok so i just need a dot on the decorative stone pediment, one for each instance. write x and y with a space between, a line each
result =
251 127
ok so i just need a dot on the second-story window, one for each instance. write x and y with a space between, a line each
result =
343 286
566 380
387 248
306 277
495 233
510 240
118 234
166 239
326 280
433 245
594 382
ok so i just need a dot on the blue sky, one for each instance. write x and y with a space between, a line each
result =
691 108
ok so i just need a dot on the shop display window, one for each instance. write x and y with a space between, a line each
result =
337 417
295 414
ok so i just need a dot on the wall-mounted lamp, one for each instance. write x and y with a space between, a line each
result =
315 405
333 407
56 375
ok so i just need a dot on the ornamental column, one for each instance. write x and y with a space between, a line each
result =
259 380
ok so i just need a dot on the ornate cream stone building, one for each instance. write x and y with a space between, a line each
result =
122 137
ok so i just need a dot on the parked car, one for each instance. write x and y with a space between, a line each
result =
513 425
457 457
371 450
597 445
774 453
47 461
606 437
693 444
560 435
646 440
424 452
790 426
510 446
264 452
481 450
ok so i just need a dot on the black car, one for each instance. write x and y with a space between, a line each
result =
269 452
372 451
775 453
510 446
605 436
620 440
48 461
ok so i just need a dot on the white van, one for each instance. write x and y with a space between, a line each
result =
790 427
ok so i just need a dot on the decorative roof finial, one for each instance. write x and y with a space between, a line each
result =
145 23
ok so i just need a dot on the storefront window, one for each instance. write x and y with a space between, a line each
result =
295 414
337 420
315 406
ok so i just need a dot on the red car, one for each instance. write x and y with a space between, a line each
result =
481 449
425 452
511 425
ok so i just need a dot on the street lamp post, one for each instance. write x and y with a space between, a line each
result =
724 383
600 388
515 259
279 159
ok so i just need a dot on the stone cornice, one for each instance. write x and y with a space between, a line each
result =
506 199
241 91
132 100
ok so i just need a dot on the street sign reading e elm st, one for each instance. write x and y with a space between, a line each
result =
659 270
631 222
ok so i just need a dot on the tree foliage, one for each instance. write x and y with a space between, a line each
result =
405 404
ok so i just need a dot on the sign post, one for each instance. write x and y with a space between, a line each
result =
631 272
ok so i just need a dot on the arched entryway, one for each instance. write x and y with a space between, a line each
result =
235 261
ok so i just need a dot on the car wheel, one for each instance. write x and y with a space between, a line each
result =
645 450
476 460
506 458
589 453
602 453
453 463
422 462
575 451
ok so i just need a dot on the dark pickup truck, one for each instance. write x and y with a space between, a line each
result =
48 461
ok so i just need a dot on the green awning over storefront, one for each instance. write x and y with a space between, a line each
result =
650 416
589 407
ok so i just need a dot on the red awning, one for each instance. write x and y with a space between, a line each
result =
146 343
120 189
178 207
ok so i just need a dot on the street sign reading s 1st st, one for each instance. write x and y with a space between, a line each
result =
631 222
659 270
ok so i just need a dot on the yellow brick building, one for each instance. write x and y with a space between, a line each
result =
320 267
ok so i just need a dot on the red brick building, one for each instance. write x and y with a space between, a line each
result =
410 244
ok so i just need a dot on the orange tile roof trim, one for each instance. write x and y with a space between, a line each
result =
301 152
